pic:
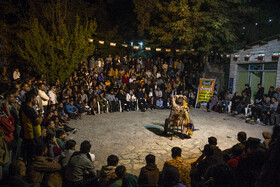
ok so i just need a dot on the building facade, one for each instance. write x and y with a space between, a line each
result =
256 63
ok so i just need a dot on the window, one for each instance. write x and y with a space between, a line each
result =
270 66
255 67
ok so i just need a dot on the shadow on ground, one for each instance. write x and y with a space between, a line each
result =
157 129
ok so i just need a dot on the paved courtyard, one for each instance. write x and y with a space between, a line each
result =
133 135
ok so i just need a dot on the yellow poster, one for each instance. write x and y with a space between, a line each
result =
205 91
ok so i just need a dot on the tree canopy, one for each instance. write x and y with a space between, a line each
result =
55 49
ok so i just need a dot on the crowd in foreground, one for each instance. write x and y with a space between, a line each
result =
35 122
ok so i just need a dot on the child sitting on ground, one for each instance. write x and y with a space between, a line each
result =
61 138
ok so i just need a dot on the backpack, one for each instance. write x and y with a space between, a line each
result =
4 153
7 124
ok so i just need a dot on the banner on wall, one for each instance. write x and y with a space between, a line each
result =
205 91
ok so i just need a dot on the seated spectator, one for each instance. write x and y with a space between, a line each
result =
212 102
243 103
168 104
51 127
235 157
180 164
107 173
17 172
251 163
149 175
171 177
159 104
54 151
81 106
61 113
93 106
151 103
131 100
272 110
236 99
271 91
72 110
158 93
124 179
41 167
277 94
79 165
120 172
267 138
61 138
69 149
219 175
102 102
113 101
211 154
84 96
191 97
141 100
122 97
241 137
275 116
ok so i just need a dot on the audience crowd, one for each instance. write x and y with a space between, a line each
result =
34 150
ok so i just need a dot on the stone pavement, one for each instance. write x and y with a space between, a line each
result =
133 135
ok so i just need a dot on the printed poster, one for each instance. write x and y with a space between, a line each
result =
205 91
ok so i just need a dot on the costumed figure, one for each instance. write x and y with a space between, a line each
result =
179 113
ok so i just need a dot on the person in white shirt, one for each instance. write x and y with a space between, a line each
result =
43 98
131 100
52 95
16 74
158 93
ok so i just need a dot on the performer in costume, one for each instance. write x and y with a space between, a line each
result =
179 109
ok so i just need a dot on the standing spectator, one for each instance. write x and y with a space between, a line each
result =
43 98
31 128
16 74
247 90
149 174
259 94
52 95
180 164
4 78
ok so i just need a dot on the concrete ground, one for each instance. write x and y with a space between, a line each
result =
133 135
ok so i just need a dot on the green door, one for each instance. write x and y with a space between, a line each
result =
243 78
269 79
256 78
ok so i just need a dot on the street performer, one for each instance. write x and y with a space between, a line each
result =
179 109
